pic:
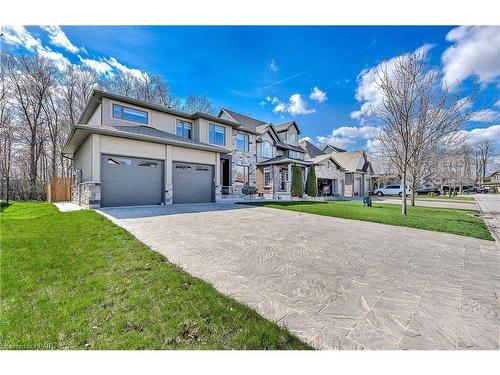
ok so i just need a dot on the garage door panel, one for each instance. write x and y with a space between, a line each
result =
129 181
192 183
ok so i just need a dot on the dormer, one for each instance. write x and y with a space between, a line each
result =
289 132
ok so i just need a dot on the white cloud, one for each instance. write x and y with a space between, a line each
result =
368 91
481 134
99 66
318 95
347 135
280 108
485 115
57 58
18 36
497 104
273 66
475 51
125 69
308 139
295 106
58 38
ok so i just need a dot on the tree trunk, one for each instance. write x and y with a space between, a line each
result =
412 194
404 208
33 167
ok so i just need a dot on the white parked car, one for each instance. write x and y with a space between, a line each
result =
392 190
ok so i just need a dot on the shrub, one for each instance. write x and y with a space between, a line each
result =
311 185
297 188
249 190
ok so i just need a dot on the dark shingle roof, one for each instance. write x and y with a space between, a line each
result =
245 121
311 150
283 126
284 160
335 148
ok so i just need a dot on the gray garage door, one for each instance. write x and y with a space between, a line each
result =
130 181
192 183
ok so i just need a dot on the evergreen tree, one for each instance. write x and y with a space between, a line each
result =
311 185
297 188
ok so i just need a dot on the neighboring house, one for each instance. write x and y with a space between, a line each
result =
330 174
129 152
492 182
276 150
359 170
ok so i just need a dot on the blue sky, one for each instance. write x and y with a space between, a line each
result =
318 76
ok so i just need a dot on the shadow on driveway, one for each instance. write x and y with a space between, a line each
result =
136 212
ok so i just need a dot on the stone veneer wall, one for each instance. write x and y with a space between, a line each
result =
247 158
328 169
87 194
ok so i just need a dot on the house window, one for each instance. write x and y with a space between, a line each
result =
119 161
241 142
266 150
217 134
184 129
296 155
150 164
267 177
293 139
241 175
130 114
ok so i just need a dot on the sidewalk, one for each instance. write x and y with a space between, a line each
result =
489 205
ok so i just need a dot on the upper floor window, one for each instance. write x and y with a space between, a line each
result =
241 142
130 114
216 134
293 139
266 150
241 175
184 129
296 155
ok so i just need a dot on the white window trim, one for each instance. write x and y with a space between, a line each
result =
261 150
267 170
177 119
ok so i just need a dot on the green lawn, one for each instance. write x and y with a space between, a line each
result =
76 281
436 219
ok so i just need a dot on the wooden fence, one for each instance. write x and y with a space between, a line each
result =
59 189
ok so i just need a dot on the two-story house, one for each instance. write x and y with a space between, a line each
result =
276 150
129 152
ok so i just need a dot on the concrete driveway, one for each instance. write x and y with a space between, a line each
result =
335 283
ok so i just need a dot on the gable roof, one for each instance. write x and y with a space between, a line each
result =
350 160
321 158
247 122
284 126
332 148
311 150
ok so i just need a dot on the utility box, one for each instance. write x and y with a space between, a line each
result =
367 201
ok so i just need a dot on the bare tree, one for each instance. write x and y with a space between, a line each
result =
483 151
417 114
31 78
195 103
6 136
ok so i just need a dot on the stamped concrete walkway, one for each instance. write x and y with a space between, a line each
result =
335 283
